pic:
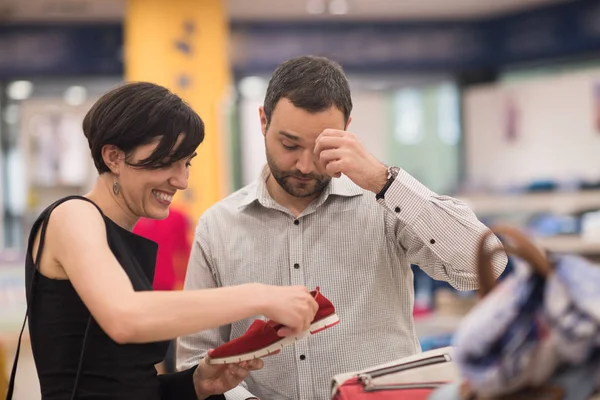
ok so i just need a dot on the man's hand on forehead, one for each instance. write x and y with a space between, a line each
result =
340 152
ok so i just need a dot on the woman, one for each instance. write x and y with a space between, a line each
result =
96 327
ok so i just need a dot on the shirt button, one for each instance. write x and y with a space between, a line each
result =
397 209
297 266
296 222
302 357
432 241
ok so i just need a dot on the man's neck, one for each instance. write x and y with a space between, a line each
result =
295 204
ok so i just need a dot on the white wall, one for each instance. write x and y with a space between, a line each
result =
251 140
370 121
557 137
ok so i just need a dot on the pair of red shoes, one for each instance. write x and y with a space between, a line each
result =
261 339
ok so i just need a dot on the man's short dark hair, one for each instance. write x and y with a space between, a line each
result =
311 83
135 114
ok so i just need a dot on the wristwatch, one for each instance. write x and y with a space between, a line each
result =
392 174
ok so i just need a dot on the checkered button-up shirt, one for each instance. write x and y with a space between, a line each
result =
357 249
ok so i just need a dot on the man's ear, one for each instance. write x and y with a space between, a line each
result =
263 120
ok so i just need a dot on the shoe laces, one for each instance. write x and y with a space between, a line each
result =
317 292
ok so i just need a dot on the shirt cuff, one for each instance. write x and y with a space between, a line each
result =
405 197
239 393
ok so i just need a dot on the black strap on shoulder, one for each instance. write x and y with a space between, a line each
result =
36 262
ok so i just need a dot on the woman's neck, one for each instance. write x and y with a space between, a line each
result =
113 206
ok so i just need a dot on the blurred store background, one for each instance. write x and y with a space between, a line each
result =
495 102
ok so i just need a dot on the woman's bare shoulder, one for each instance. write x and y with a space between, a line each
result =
72 226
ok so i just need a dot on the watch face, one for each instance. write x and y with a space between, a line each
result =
394 171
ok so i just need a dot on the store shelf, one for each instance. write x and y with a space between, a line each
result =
558 202
436 324
570 244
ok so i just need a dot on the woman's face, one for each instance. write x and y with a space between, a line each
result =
149 192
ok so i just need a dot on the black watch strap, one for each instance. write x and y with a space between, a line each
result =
387 185
392 174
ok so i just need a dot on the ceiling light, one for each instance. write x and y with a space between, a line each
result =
252 87
75 95
338 7
19 90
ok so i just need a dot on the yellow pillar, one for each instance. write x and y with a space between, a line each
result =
182 45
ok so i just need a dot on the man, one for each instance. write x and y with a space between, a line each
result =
327 213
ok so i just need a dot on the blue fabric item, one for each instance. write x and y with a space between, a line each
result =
435 342
577 382
498 339
527 328
573 308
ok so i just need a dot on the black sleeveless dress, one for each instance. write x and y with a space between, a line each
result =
72 352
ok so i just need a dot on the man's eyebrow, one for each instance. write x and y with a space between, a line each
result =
289 136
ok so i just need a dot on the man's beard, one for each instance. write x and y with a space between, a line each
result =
296 188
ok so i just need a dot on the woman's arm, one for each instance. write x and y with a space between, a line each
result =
76 240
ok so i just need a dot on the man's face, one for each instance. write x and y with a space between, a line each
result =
290 141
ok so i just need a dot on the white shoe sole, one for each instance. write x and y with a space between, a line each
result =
316 327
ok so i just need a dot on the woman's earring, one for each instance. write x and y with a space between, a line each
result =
116 188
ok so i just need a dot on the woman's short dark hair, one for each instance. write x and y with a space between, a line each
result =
135 114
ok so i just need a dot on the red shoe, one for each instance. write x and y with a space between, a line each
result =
261 339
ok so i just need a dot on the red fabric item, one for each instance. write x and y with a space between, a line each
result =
261 334
326 307
354 389
174 247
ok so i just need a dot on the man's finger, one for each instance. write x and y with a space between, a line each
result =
237 372
333 132
328 142
329 155
252 365
212 368
274 353
334 168
233 369
255 365
241 374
